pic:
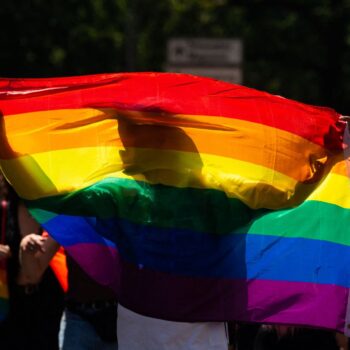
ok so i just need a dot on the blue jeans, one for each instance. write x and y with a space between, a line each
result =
78 334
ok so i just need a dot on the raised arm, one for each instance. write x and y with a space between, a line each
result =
35 255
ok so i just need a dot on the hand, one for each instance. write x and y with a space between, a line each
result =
5 252
32 244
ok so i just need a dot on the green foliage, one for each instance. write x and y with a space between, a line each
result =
296 48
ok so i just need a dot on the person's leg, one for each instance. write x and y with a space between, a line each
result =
62 331
78 334
266 338
245 335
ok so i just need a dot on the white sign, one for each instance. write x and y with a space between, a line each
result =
210 52
229 74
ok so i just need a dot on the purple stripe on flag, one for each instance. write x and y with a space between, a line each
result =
100 262
176 298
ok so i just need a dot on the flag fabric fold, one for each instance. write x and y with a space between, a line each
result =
195 199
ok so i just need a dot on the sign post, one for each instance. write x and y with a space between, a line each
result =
217 58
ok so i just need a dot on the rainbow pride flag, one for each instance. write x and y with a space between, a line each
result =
195 199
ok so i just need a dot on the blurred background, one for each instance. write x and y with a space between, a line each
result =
298 49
